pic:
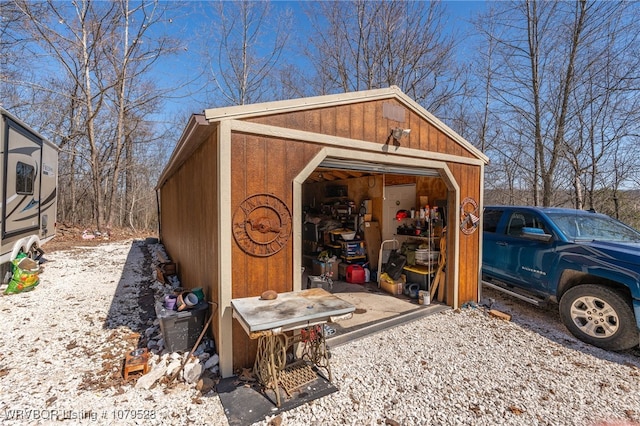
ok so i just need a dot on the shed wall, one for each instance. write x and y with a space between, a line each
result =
188 206
262 165
365 121
468 178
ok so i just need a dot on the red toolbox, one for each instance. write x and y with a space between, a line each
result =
355 274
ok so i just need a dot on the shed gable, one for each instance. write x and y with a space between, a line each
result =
367 115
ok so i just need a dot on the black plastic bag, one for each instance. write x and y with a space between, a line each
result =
395 264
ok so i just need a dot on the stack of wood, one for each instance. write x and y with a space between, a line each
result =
165 267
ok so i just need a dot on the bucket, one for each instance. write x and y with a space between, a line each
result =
199 293
424 297
170 302
190 300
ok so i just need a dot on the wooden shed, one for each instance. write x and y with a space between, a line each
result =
234 194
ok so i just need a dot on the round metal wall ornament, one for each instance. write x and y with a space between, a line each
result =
469 219
262 225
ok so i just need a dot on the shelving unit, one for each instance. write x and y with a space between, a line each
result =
430 268
335 206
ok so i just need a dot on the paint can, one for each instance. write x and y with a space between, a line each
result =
424 297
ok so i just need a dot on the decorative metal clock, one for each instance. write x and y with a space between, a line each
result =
262 225
469 219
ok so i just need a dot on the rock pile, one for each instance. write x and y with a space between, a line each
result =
201 368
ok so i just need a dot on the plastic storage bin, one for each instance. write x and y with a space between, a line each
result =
181 330
353 249
422 275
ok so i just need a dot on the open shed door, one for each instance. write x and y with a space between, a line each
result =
364 166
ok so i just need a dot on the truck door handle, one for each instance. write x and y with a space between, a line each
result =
501 243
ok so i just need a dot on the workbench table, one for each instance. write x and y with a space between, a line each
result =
305 312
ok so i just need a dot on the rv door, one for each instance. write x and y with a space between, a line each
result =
21 191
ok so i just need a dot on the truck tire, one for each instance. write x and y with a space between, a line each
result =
599 316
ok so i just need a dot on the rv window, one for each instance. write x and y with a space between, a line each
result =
24 178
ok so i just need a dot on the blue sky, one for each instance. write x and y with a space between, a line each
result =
188 23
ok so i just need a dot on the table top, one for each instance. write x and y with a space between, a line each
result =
289 310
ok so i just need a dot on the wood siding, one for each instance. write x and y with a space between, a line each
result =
364 121
188 206
262 165
468 178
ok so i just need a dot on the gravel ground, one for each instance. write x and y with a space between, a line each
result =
62 345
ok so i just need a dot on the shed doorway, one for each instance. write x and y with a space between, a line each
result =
341 197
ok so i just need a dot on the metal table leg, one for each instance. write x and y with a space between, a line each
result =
315 348
271 356
270 360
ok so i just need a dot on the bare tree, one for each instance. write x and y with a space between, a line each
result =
75 53
607 113
9 45
543 93
102 54
250 38
550 78
357 45
135 96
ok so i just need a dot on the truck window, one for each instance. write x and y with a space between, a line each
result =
491 219
516 223
519 220
24 178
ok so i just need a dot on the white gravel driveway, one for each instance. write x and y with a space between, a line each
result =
61 348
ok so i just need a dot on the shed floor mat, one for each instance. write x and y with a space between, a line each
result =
247 402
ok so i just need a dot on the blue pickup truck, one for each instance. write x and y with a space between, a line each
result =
587 263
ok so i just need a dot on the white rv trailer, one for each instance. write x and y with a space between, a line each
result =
29 183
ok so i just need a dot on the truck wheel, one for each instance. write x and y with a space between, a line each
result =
600 316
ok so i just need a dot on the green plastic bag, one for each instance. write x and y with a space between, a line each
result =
25 275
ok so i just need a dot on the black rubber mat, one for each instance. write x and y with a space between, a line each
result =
246 403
